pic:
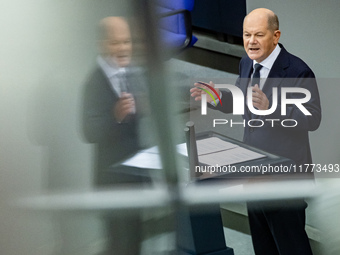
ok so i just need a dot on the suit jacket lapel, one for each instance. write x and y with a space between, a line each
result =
277 73
245 73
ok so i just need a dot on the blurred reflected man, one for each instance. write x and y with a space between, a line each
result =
110 120
279 229
110 116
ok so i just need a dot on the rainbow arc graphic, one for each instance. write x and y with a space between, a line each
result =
208 92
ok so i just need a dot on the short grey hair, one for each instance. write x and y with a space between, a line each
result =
273 22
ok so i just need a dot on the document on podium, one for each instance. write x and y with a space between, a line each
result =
211 151
215 151
212 145
148 158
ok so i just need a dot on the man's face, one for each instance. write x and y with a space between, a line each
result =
258 40
118 45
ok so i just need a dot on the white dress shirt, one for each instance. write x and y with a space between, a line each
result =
112 72
267 65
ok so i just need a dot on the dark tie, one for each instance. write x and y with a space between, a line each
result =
256 75
122 82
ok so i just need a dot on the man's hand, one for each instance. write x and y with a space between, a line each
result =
124 107
197 91
260 100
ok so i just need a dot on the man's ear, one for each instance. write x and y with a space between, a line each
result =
277 34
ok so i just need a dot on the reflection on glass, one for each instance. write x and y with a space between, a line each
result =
113 102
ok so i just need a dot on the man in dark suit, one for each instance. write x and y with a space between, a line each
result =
110 120
110 115
276 227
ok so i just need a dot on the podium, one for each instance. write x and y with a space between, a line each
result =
201 233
